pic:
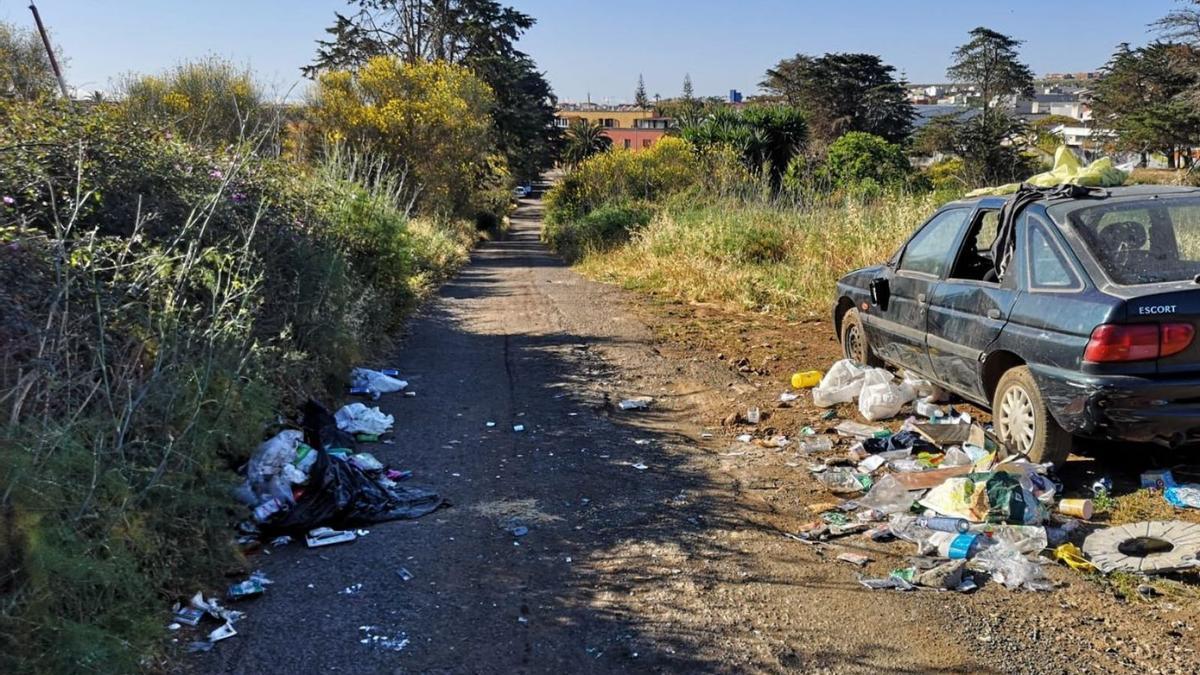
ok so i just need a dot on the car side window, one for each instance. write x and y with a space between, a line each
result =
930 250
1047 268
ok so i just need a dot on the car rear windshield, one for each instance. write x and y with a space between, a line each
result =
1144 241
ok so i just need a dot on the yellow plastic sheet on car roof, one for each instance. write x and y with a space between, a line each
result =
1067 171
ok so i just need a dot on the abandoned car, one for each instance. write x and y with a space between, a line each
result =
1069 312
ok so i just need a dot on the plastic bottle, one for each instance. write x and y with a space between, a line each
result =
944 524
929 410
806 379
841 480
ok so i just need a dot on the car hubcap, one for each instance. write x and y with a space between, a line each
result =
854 345
1016 420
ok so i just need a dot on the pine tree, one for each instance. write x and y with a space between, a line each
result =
639 95
688 93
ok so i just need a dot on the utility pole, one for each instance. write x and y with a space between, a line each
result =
62 84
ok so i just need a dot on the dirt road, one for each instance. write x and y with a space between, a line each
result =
650 547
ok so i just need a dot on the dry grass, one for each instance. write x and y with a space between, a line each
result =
760 257
506 512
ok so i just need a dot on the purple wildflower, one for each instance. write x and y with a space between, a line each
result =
9 201
238 197
216 173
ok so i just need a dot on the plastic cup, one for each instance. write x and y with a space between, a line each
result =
1079 508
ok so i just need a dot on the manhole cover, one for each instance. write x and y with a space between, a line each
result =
1149 547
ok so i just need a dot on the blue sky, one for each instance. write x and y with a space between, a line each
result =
599 47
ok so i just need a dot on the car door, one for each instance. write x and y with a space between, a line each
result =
897 330
969 308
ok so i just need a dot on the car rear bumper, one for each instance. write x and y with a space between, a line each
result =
1122 407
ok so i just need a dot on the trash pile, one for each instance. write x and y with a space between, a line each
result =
968 504
316 482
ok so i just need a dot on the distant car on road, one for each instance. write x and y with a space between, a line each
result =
1076 316
522 191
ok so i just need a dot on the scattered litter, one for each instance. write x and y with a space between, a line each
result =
174 626
1008 567
490 424
1078 508
358 418
744 438
854 559
244 589
221 633
852 429
1071 555
375 382
788 397
753 416
282 540
352 589
1159 479
189 616
200 646
372 637
1145 547
640 466
325 536
819 444
1185 496
947 575
404 574
518 427
519 531
636 403
806 379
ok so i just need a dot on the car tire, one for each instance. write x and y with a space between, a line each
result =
1022 421
855 345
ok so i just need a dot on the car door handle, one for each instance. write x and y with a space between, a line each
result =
994 314
920 298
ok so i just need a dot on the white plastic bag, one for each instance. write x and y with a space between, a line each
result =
358 418
879 398
887 495
375 382
268 462
840 385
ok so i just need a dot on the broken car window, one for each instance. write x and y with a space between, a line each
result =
929 252
1143 241
1047 269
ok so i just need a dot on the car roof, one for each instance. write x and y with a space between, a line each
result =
1125 191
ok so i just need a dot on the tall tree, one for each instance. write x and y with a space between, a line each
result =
479 34
25 71
843 92
1181 25
989 62
1143 97
766 137
689 94
640 98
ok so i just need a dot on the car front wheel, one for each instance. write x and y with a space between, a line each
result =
1021 419
854 340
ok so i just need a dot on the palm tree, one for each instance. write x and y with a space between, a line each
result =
583 139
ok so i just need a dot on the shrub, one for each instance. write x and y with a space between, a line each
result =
607 226
210 101
865 163
431 119
618 176
160 307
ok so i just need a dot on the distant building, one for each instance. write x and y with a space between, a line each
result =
735 96
628 127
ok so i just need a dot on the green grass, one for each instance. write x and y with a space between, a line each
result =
758 256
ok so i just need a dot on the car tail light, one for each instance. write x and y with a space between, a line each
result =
1137 342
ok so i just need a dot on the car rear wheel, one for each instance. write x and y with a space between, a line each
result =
854 340
1021 419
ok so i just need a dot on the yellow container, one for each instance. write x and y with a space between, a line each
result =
806 379
1080 508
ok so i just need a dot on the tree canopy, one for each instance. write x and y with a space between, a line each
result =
764 136
26 72
839 93
479 34
1143 97
989 61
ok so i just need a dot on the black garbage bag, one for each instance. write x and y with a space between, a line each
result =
910 440
340 494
